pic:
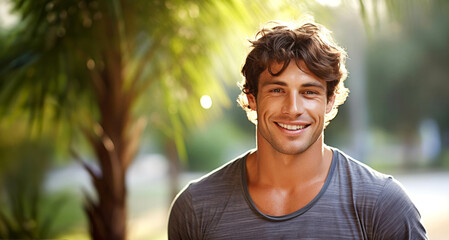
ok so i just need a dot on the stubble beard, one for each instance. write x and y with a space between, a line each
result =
293 146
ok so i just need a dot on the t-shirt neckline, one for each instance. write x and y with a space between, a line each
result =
297 212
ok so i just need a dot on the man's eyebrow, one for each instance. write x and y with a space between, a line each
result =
314 84
280 83
304 85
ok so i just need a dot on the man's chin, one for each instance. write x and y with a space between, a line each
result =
290 149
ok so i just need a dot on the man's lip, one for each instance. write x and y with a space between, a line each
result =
292 123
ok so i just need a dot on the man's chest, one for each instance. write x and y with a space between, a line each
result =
319 222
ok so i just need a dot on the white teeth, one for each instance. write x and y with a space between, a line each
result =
292 127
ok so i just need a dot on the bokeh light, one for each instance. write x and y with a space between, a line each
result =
206 102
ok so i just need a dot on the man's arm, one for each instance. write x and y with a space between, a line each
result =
182 222
395 215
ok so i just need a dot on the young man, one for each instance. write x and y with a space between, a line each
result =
293 186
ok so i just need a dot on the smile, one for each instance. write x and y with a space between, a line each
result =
292 127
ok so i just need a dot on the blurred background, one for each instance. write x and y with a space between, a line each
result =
108 108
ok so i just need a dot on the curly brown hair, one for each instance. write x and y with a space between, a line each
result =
283 42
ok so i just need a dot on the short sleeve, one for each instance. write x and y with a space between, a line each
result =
182 222
395 216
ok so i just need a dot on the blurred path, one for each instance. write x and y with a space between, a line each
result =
430 193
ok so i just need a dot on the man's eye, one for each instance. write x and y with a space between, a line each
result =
310 92
277 90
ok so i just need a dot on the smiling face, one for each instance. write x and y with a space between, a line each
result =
290 109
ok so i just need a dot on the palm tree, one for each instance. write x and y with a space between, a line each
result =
92 63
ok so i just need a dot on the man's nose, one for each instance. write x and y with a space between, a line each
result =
293 104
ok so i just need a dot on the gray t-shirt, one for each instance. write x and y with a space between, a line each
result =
355 202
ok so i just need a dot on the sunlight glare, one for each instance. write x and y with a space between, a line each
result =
330 3
7 19
206 102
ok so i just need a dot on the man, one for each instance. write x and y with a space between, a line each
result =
293 186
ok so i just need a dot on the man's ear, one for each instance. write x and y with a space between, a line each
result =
330 104
251 101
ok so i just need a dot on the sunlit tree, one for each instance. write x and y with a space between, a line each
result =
87 63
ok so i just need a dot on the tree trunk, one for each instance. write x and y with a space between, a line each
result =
116 137
115 145
107 214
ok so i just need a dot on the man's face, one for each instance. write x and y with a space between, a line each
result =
290 108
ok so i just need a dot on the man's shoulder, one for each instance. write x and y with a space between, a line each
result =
359 171
367 183
361 180
381 201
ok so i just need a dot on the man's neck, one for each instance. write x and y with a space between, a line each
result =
271 168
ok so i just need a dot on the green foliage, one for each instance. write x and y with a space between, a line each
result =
67 54
214 145
26 212
444 162
407 68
